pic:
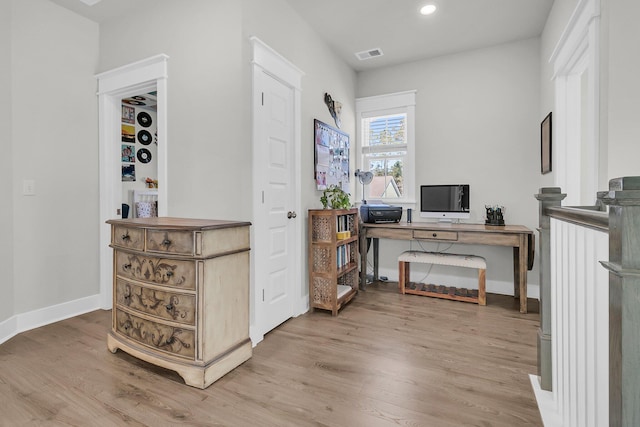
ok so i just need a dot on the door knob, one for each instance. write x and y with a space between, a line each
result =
291 214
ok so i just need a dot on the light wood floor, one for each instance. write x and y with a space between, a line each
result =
386 360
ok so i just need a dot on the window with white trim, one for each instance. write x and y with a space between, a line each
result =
385 146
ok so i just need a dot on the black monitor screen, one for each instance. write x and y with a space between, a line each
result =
444 198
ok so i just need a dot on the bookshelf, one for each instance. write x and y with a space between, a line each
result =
333 258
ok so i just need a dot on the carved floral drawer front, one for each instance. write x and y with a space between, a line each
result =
167 338
166 305
174 242
160 271
132 238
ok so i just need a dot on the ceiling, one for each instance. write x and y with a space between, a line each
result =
393 26
403 35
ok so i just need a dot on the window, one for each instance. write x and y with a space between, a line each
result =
385 146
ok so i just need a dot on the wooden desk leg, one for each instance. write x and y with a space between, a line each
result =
516 272
520 273
375 258
363 259
523 274
403 275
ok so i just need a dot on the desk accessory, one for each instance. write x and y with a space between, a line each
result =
495 215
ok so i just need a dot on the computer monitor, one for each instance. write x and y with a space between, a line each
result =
444 202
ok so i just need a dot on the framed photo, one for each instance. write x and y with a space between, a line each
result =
128 172
331 156
128 114
545 144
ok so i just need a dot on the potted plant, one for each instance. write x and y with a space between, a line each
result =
335 198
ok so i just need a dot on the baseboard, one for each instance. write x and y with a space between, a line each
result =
255 335
8 329
301 307
47 315
546 405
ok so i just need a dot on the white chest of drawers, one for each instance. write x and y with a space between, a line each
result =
181 294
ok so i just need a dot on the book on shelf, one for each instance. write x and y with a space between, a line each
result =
342 223
343 255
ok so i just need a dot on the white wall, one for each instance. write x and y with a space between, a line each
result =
476 123
6 166
54 143
556 22
208 137
623 87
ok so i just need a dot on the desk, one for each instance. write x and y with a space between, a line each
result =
520 238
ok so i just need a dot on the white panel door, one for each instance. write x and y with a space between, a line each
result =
275 222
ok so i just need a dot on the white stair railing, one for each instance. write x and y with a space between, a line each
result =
589 336
580 324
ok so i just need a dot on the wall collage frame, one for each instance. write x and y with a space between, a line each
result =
331 156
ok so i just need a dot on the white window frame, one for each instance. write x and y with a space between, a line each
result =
380 105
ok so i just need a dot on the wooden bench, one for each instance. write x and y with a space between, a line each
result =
447 292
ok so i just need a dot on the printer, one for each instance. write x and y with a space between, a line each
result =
379 213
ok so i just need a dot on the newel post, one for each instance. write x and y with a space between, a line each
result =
548 197
623 199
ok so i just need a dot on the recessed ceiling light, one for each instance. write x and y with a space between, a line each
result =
428 9
90 2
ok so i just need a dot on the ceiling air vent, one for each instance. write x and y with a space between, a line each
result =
368 54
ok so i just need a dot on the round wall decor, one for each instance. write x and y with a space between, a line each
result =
144 137
144 119
144 155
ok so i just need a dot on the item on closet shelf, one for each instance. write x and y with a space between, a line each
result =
144 137
145 203
133 102
144 119
146 209
151 183
144 155
128 133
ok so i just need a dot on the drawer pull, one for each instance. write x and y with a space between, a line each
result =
435 234
169 307
126 266
169 273
126 236
166 242
170 340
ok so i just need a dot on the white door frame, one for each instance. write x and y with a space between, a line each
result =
576 120
265 59
132 79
